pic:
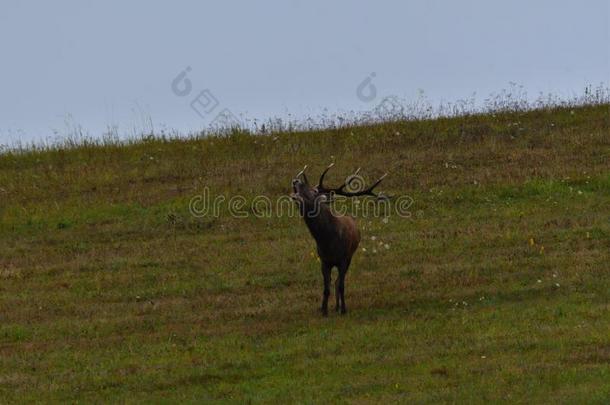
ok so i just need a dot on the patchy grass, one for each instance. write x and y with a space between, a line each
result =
495 289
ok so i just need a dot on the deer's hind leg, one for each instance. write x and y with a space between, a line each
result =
337 299
341 285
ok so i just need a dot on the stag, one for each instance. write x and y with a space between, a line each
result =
337 236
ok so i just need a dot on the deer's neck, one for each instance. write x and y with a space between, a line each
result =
322 224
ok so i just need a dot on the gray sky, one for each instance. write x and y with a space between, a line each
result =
67 63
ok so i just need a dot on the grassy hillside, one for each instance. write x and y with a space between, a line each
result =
497 287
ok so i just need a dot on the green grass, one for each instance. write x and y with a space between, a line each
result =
496 289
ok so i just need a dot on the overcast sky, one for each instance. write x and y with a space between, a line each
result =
112 63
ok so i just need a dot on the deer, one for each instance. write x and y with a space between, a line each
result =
336 236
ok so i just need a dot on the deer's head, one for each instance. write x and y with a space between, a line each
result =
308 198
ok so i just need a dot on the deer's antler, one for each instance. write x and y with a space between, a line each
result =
349 179
320 185
302 173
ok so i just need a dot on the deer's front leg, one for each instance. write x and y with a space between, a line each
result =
326 275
